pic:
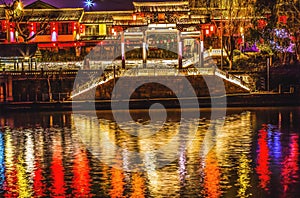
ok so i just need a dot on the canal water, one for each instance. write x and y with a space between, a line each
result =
250 152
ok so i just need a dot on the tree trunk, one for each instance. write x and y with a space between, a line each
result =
49 89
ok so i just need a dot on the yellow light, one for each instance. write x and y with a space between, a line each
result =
244 179
134 17
102 29
241 30
23 184
20 6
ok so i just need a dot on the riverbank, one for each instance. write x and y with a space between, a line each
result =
233 100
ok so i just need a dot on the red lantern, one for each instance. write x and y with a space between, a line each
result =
262 23
282 19
4 26
32 28
207 32
74 26
240 41
81 29
54 27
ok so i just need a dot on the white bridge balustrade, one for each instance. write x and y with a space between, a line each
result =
93 83
74 65
158 70
57 65
233 79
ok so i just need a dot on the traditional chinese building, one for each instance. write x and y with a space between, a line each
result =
77 31
75 24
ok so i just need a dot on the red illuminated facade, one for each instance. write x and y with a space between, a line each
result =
73 27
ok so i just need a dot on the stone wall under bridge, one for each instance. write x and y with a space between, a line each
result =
155 90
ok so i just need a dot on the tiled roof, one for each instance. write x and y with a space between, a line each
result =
163 6
65 14
161 3
104 16
96 17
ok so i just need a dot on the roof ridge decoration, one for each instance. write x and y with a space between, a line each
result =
160 3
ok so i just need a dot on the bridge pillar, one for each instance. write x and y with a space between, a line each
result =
9 89
2 98
144 55
145 50
123 49
179 51
6 92
35 64
201 53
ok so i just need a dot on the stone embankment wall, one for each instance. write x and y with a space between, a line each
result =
159 90
42 89
58 87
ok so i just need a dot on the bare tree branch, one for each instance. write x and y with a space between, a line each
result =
22 18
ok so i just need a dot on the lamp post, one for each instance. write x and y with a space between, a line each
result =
221 42
201 49
269 63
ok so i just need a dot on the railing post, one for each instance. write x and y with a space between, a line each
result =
268 73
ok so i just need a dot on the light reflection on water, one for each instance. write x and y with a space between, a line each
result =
255 154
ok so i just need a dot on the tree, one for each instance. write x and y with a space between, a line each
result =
277 27
234 16
237 14
20 20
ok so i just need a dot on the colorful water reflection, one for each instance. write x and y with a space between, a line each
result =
244 173
81 173
117 183
2 162
138 186
24 187
212 176
50 160
290 166
58 187
263 169
39 185
10 185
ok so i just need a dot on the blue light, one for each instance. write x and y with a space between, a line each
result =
2 161
89 3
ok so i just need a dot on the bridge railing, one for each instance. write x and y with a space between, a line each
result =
94 82
232 78
58 65
41 72
151 72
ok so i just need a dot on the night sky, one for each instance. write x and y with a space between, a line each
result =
99 4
